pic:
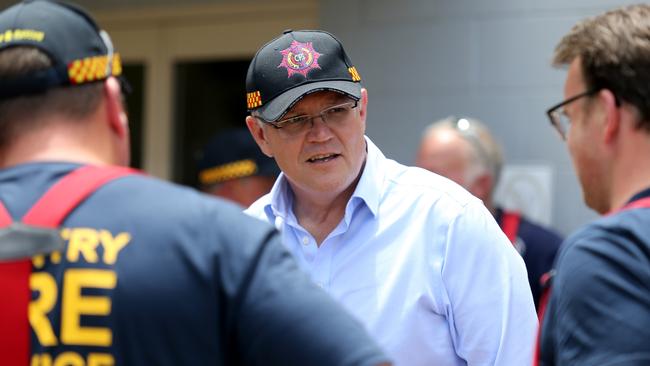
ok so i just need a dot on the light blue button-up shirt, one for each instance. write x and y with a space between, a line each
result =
421 263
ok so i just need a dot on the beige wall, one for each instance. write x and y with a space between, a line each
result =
159 37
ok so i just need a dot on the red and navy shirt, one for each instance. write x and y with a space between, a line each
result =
538 247
157 274
599 308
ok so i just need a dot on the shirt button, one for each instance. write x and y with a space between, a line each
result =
305 240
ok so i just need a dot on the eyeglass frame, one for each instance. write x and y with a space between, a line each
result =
278 124
110 53
551 112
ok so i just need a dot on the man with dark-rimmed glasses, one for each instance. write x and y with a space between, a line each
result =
415 257
598 311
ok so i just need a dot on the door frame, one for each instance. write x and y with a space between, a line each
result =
159 37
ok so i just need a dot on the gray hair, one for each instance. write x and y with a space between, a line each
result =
487 156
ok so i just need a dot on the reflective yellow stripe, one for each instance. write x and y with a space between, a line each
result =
221 173
92 68
253 100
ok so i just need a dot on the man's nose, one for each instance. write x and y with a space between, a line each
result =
313 119
319 130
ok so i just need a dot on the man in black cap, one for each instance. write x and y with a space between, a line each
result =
234 168
418 259
125 269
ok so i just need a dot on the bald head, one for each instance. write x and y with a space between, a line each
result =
464 151
443 151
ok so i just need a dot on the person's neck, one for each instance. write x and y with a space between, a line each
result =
490 205
56 143
631 171
320 213
634 180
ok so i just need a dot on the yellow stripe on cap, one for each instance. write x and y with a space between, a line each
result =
253 100
222 173
11 35
92 68
354 73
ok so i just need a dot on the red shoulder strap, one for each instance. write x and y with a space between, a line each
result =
49 211
5 217
547 283
14 333
510 224
14 285
67 193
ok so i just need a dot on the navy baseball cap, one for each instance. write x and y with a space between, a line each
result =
233 154
296 64
80 51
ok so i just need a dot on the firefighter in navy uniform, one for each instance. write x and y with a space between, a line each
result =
463 150
102 265
232 167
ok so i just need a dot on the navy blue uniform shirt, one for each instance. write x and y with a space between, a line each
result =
156 274
599 309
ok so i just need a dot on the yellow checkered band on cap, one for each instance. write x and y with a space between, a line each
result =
253 100
222 173
355 74
92 68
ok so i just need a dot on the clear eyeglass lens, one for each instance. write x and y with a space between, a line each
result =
564 124
294 125
561 122
300 124
337 113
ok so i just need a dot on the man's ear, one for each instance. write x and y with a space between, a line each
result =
611 115
117 119
258 134
363 105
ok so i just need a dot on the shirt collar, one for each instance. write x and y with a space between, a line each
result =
281 199
367 191
369 187
643 194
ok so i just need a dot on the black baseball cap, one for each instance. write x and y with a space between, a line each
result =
233 154
295 64
80 51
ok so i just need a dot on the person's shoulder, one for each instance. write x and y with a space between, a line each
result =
531 231
632 226
609 243
601 267
426 185
581 242
142 187
166 202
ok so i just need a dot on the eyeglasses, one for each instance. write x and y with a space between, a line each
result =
297 125
559 118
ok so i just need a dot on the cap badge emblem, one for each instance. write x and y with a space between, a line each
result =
299 58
